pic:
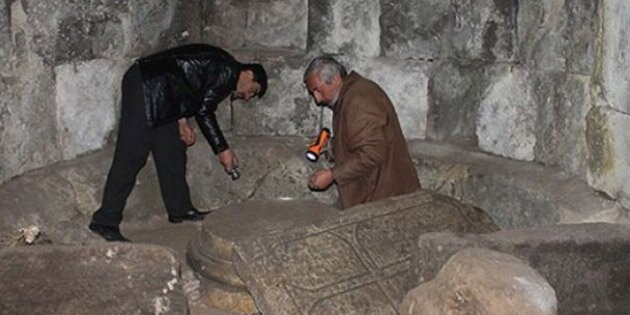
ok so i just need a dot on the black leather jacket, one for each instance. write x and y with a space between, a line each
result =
189 81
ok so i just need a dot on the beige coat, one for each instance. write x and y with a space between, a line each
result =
371 157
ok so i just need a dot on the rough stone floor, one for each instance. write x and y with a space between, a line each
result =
175 236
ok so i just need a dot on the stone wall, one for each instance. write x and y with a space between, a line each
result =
61 65
542 81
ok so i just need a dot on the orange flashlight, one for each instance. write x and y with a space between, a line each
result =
315 149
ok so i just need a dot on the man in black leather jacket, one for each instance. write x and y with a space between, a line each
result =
159 93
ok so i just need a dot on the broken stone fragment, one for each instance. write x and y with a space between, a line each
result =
104 279
482 281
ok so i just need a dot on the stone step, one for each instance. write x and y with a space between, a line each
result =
516 194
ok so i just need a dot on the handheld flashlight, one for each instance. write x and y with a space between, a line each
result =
315 149
234 173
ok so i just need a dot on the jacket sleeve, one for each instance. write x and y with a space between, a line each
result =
216 87
207 121
364 121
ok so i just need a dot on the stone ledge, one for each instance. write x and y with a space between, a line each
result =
60 199
516 194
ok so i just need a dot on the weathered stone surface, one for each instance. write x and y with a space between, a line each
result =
28 138
43 34
344 27
286 109
7 95
62 31
507 117
204 296
515 194
68 193
211 251
525 115
223 19
581 33
587 264
88 95
157 25
354 262
270 167
97 29
248 23
454 94
113 279
5 38
413 28
559 35
563 103
228 298
609 152
440 29
455 91
277 23
482 281
552 105
615 60
60 200
84 35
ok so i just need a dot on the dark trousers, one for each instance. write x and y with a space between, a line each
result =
135 140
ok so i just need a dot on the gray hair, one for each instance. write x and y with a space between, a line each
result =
325 68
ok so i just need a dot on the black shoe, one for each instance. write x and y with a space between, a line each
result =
108 233
191 215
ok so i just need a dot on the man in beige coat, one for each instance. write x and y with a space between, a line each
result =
370 153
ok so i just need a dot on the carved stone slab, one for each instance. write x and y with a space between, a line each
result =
353 263
210 252
104 279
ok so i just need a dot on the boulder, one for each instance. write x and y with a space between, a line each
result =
586 264
482 281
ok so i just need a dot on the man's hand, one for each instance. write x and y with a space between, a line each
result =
186 134
321 179
228 159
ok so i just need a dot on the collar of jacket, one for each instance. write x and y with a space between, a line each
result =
235 74
348 81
